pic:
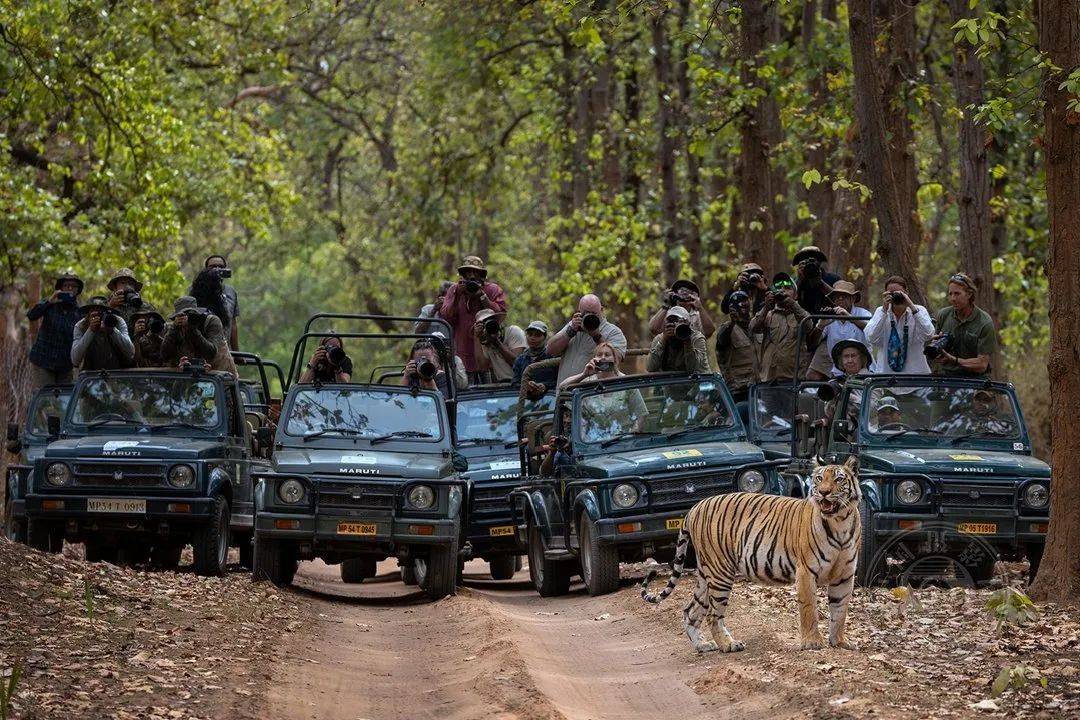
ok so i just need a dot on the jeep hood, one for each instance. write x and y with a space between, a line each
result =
952 461
504 466
692 457
362 463
134 446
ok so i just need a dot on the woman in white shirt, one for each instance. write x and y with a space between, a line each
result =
898 331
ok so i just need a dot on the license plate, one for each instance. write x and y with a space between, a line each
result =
348 528
107 505
977 528
675 524
501 531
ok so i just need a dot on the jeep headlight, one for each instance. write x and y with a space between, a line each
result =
908 492
1036 495
181 476
290 492
752 481
421 497
624 496
58 474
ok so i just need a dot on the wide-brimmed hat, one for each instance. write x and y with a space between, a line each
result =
678 311
846 288
69 277
752 268
810 251
688 284
472 262
985 394
732 297
538 326
97 302
839 348
184 303
121 274
148 314
485 314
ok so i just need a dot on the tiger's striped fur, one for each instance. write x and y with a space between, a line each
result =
774 540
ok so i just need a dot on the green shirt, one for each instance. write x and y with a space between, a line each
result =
970 338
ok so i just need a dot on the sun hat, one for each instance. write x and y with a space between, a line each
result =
121 274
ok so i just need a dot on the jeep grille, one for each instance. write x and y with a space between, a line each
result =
689 489
117 475
968 495
355 495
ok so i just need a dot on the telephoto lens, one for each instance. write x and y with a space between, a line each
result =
936 348
472 287
335 356
898 297
683 331
132 298
110 321
590 321
156 326
427 369
195 318
491 327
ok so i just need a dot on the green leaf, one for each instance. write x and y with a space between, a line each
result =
811 177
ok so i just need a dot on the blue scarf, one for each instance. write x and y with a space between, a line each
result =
897 349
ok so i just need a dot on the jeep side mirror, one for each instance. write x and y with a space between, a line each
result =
459 462
802 435
52 422
14 442
12 431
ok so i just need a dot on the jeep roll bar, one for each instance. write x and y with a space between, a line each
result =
248 359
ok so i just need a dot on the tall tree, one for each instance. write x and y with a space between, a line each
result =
666 144
1059 38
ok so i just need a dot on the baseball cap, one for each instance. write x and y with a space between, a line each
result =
678 311
887 402
538 326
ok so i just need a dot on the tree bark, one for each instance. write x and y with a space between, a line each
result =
820 196
884 157
665 152
1059 38
692 213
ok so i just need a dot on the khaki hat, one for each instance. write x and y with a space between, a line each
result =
678 311
538 326
97 302
472 262
810 251
66 277
752 268
182 303
120 275
485 314
845 288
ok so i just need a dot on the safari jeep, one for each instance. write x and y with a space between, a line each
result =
641 451
146 462
949 482
28 443
487 437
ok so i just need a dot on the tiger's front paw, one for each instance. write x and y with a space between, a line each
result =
707 647
814 642
733 646
843 643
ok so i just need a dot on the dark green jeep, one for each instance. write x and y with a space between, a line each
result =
147 461
948 478
636 453
28 443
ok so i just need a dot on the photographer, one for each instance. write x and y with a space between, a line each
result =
815 281
684 294
898 331
424 370
50 356
431 310
100 340
536 351
148 334
966 337
751 281
125 299
680 347
196 334
329 363
778 321
558 451
737 352
578 339
230 303
495 347
826 333
463 300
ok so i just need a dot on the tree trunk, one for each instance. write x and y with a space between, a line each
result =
852 230
1059 39
820 196
692 213
898 232
665 151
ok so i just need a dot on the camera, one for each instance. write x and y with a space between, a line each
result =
335 356
811 269
472 286
66 297
491 327
590 321
156 325
604 365
195 318
897 297
185 365
223 273
683 331
132 298
559 442
751 278
110 321
936 348
425 370
778 296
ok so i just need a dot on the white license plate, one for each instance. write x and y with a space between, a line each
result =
109 505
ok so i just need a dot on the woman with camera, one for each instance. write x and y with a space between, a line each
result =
329 363
898 331
50 357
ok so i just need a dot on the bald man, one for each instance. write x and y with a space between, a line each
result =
576 342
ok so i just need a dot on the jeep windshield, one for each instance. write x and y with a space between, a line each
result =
364 413
941 415
654 414
492 420
771 411
122 403
47 403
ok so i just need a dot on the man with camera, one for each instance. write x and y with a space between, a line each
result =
495 347
966 338
100 341
195 334
685 294
827 333
50 356
751 281
778 321
815 281
424 369
431 310
737 352
124 298
463 300
329 363
898 331
578 339
230 303
536 335
679 348
148 334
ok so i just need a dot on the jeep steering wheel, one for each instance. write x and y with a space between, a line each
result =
108 416
892 426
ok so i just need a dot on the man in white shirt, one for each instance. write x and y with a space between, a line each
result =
576 342
898 331
826 333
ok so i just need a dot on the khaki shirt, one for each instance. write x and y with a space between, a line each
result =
780 342
739 358
690 357
970 338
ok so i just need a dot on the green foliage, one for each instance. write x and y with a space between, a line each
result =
1010 606
9 682
88 598
1016 677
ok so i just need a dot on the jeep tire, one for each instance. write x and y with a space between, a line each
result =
408 573
14 528
864 573
437 573
503 567
165 554
550 577
357 570
210 542
274 560
44 536
599 561
246 544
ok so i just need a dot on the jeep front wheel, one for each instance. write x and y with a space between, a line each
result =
210 543
437 573
503 567
14 528
357 570
44 536
165 555
599 562
408 573
274 561
550 577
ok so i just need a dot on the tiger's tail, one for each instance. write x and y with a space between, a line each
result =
677 570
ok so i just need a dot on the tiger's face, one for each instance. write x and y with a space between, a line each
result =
835 487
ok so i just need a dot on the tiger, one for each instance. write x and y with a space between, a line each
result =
772 540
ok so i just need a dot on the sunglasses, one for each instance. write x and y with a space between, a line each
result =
783 284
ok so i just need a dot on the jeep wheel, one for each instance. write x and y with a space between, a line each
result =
14 528
599 562
274 561
44 536
246 543
503 567
865 575
210 543
98 551
408 573
437 573
166 555
357 570
550 577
